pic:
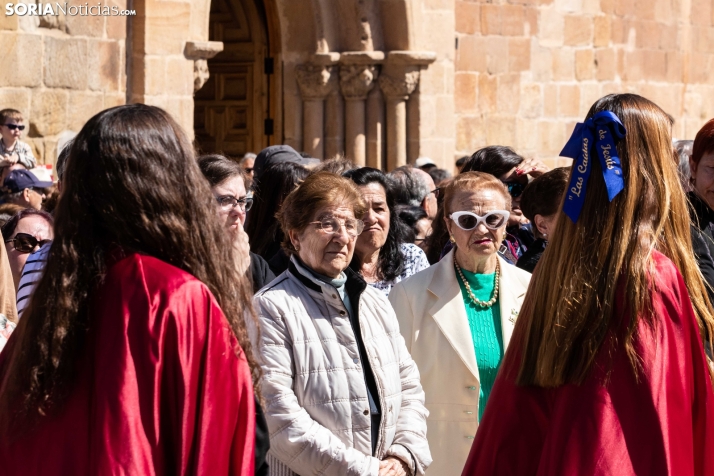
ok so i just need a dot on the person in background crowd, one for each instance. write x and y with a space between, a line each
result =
337 165
609 341
382 257
263 229
440 176
247 163
12 149
26 232
425 164
276 154
366 414
461 162
540 203
413 186
7 210
458 315
701 202
35 264
8 311
683 149
137 254
227 181
513 170
418 223
25 189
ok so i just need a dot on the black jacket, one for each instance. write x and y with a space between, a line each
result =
260 272
530 258
703 239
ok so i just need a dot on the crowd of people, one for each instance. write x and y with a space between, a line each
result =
179 313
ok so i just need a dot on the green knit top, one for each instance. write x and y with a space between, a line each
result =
486 330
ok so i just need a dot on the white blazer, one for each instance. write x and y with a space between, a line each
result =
432 319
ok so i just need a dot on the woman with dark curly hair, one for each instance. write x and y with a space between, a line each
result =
132 357
381 255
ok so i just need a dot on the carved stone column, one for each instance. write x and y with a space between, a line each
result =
357 77
399 78
315 82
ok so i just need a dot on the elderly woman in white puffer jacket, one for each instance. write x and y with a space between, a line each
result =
342 394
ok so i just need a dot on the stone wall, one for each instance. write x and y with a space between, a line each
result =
527 70
59 71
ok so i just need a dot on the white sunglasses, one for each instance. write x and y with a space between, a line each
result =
468 221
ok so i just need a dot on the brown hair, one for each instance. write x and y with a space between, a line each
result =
703 142
568 312
317 191
218 168
473 182
13 114
131 182
543 195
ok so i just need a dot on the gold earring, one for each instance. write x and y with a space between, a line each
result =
451 239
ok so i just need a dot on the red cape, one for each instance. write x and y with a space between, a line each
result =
663 425
160 390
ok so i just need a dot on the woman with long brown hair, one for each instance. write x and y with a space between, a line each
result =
132 356
606 372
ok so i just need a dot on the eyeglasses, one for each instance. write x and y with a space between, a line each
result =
229 202
515 189
332 225
12 127
436 192
26 243
468 221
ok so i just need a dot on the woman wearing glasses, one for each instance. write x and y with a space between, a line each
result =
342 394
382 256
457 316
23 234
227 179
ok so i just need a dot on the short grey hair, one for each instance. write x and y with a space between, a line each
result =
409 187
684 152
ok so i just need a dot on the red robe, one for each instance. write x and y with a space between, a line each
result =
663 425
160 389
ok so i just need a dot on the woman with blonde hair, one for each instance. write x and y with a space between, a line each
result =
606 373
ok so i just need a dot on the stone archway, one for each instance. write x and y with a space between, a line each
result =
232 110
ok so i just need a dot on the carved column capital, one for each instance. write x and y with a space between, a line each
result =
315 81
357 80
399 86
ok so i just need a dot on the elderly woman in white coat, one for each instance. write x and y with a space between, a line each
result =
342 394
457 316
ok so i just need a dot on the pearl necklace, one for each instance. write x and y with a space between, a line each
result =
482 304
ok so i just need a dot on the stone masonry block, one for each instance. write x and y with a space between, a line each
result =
497 54
106 65
444 117
550 100
470 134
578 30
551 135
49 111
584 64
633 67
675 66
608 6
468 17
531 104
65 63
619 29
508 97
491 19
647 34
90 25
82 106
645 9
487 90
114 99
16 98
669 36
530 22
466 92
8 22
564 64
501 130
602 31
155 74
605 64
655 64
527 135
512 20
519 54
589 93
440 31
569 100
663 10
15 55
179 76
166 25
551 26
471 55
541 62
626 8
701 12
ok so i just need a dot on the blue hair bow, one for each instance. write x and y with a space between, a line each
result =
598 133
